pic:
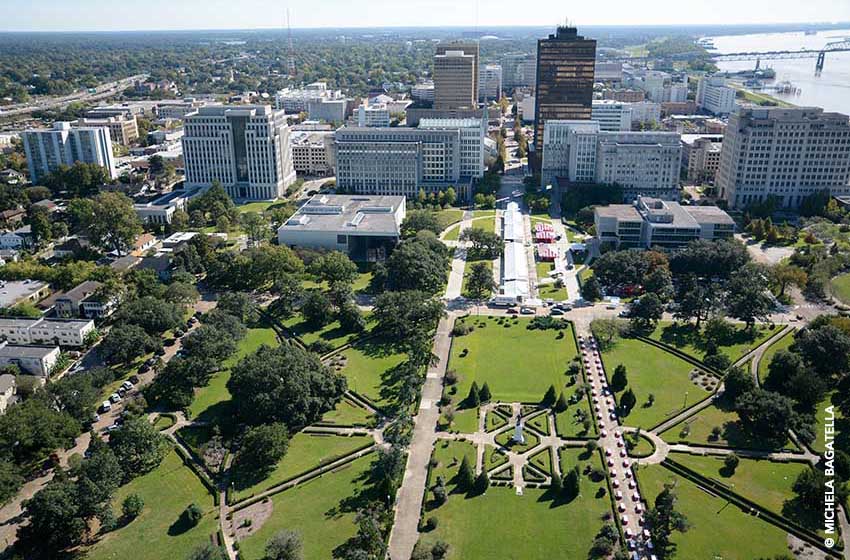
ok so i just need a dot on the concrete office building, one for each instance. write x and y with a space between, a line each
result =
122 129
608 72
785 153
47 149
645 112
364 227
714 96
455 80
612 116
313 153
329 110
651 222
297 100
402 160
373 115
564 86
469 48
29 332
490 83
246 148
423 92
177 110
701 156
624 95
518 70
643 163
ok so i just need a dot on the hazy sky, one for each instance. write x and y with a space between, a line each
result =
83 15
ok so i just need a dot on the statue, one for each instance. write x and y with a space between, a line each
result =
518 437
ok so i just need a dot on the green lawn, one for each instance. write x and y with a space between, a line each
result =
449 216
331 333
347 413
157 533
718 529
210 401
500 524
766 483
518 364
465 421
448 455
543 269
701 425
163 422
486 223
305 452
840 288
842 427
452 233
366 363
320 511
260 207
552 291
651 370
686 338
782 344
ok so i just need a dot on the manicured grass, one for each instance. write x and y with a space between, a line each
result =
767 483
783 343
452 233
505 439
157 533
332 333
543 460
347 413
643 448
305 452
483 213
551 291
686 338
260 207
651 370
494 421
842 427
317 510
718 529
541 423
211 401
494 458
518 364
543 269
487 224
196 436
449 216
448 455
500 524
163 422
367 362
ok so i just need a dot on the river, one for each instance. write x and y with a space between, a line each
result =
830 90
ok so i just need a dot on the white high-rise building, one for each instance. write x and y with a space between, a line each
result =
612 116
715 96
643 163
490 82
782 153
246 148
645 112
297 100
63 144
472 134
374 115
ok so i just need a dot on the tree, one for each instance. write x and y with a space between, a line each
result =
482 482
209 343
628 400
11 480
473 399
132 506
34 428
479 281
591 290
646 311
620 378
485 394
207 551
39 221
419 220
335 267
224 322
284 545
561 405
406 316
124 343
605 331
695 299
748 297
262 448
483 244
152 314
737 382
730 463
709 259
550 396
784 275
54 520
767 415
237 304
663 519
572 483
181 293
351 319
284 384
193 514
418 264
138 446
465 475
825 348
110 221
317 310
255 226
98 477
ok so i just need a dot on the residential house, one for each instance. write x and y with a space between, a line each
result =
12 216
21 238
33 360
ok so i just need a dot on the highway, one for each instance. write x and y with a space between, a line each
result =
100 92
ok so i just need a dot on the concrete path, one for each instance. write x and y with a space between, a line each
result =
804 456
453 289
405 531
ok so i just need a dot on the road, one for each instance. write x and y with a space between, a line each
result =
10 514
101 92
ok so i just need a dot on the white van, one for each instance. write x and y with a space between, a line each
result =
105 406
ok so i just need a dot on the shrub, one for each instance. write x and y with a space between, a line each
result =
431 523
193 514
132 506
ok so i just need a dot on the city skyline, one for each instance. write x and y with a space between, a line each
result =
99 15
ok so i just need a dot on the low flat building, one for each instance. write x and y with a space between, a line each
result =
35 332
32 360
364 227
20 291
651 222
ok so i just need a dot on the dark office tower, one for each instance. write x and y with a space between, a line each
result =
565 64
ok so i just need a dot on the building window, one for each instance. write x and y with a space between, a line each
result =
342 239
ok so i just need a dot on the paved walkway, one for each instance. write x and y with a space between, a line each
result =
455 284
405 531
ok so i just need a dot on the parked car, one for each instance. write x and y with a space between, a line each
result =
105 406
115 398
134 379
526 311
512 311
556 311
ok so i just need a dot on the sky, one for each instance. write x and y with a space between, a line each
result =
117 15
